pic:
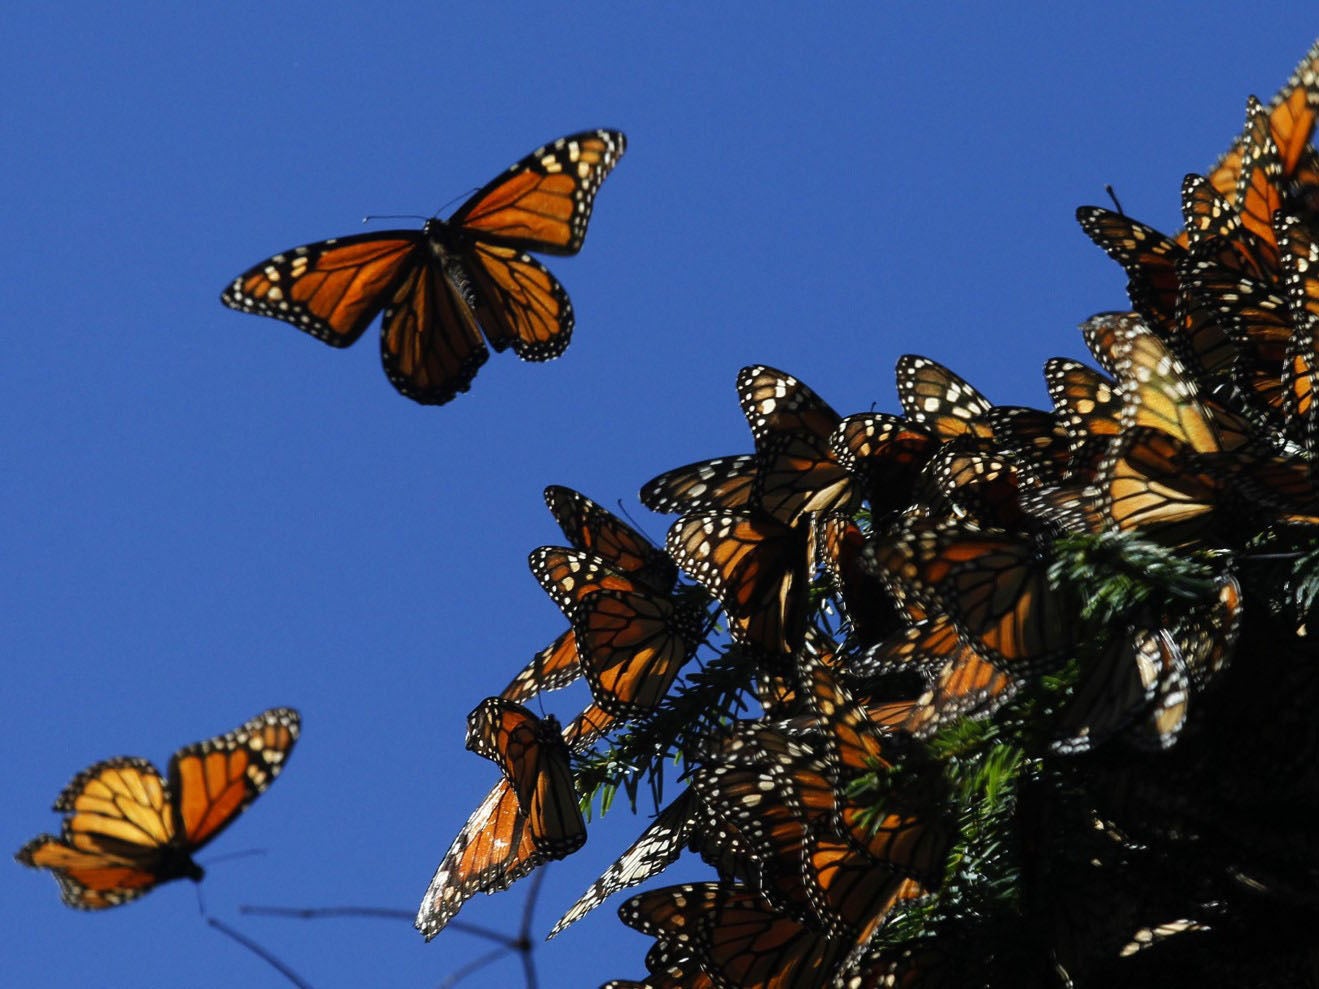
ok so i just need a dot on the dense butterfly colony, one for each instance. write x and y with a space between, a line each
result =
986 695
983 695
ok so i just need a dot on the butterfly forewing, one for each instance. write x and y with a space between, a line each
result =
213 781
543 202
332 289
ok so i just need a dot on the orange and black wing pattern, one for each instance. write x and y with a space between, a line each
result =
756 566
533 757
592 528
529 817
720 482
993 584
798 470
442 287
127 828
941 400
631 645
332 289
1291 119
119 838
212 782
543 202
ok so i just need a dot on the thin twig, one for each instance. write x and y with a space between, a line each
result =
260 952
385 913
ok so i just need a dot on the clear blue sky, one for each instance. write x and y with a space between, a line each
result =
206 513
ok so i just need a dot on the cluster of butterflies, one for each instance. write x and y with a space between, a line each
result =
837 817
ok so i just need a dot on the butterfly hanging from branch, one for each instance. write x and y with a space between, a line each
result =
443 287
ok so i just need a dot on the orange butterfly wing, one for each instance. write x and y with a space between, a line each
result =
332 289
543 202
529 817
756 567
631 645
212 782
116 840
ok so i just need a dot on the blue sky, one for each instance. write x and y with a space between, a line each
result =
207 514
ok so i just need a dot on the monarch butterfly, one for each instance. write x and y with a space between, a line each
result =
1088 407
905 829
533 757
757 567
631 644
1259 189
851 893
127 829
1207 633
671 965
886 453
798 472
993 584
722 483
659 845
519 824
1233 265
860 595
1037 440
628 641
1150 481
1139 674
441 287
776 839
1085 401
737 938
961 682
602 539
1151 262
940 400
986 488
1158 391
591 528
1291 119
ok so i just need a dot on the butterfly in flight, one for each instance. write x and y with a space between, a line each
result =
443 286
127 829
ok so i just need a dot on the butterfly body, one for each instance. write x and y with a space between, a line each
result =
453 286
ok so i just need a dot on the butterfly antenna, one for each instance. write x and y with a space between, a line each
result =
393 216
445 205
1116 202
261 953
622 510
246 853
